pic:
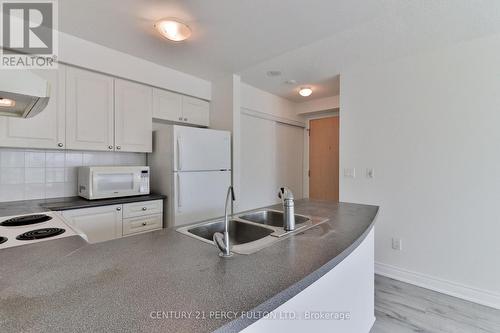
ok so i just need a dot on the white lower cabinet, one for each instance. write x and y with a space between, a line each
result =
104 223
99 224
136 225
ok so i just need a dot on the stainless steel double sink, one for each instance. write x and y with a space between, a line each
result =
252 231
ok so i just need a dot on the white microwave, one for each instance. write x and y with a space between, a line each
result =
99 182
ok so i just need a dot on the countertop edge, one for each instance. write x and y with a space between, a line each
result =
273 303
25 207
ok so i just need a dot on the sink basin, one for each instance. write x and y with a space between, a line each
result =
271 218
250 232
239 232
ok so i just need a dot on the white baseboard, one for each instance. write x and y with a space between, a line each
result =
472 294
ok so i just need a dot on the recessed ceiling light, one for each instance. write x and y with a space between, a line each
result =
305 91
273 73
173 30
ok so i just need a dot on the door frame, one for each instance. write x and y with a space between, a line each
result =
319 115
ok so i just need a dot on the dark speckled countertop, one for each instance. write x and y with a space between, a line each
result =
67 285
66 203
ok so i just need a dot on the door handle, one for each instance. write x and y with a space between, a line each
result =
179 196
179 153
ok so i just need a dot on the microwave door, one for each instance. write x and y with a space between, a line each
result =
111 184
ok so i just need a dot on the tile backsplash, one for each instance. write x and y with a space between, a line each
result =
38 174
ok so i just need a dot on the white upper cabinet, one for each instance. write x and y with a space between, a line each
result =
181 109
45 130
89 110
133 117
167 105
195 111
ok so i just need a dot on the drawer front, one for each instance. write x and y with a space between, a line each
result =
142 208
136 225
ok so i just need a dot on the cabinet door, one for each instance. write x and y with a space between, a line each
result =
133 117
99 224
89 110
167 105
45 130
195 111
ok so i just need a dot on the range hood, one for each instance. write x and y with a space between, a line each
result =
23 94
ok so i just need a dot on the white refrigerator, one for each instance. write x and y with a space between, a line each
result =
192 166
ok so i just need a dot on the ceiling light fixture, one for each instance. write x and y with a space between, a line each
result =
305 91
5 102
173 30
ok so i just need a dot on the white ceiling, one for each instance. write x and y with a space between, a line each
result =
309 41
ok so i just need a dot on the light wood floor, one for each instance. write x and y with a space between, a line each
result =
402 308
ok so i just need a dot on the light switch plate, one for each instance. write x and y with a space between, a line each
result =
397 244
350 172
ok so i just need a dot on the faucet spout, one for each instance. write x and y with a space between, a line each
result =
222 240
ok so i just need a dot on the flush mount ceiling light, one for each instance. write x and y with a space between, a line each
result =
173 30
305 91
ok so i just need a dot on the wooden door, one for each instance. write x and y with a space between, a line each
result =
89 110
133 117
324 158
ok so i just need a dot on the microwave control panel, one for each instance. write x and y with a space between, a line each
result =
144 186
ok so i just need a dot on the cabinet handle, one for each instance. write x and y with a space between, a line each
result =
185 119
118 208
144 223
144 208
110 147
118 147
60 144
180 118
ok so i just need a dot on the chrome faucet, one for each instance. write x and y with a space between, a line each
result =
222 241
286 196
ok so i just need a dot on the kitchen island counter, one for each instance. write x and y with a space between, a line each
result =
164 281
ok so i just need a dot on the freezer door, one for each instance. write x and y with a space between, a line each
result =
198 149
199 196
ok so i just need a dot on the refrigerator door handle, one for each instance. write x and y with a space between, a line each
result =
179 197
179 153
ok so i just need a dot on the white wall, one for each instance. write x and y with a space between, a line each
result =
317 105
430 126
254 99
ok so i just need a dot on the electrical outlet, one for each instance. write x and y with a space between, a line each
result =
350 172
397 244
370 173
